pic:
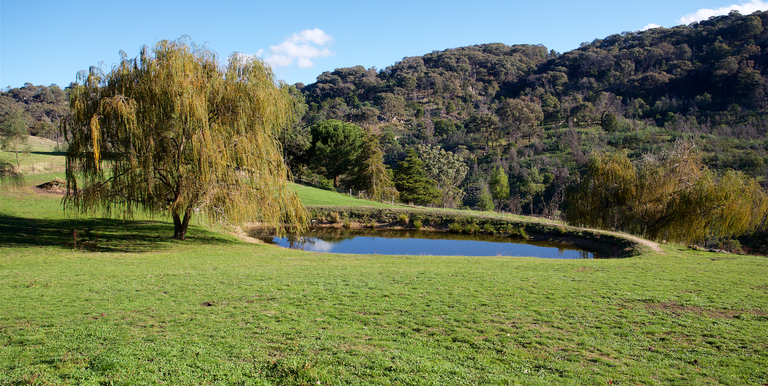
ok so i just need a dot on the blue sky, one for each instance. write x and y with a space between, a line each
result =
48 41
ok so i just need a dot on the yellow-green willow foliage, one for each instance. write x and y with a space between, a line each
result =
173 132
605 193
673 197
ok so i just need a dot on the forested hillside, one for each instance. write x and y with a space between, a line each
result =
39 108
712 71
535 111
514 128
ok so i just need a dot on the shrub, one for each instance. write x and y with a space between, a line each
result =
403 218
454 227
733 246
417 224
326 184
335 217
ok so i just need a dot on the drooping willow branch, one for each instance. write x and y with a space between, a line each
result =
174 132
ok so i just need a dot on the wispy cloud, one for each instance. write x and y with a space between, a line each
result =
303 47
706 13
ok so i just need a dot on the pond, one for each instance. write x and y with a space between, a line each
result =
413 242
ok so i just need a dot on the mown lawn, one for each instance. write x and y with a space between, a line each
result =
126 305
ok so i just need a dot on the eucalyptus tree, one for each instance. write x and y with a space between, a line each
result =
519 117
364 116
174 132
483 124
447 169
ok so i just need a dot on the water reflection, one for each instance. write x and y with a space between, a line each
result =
411 242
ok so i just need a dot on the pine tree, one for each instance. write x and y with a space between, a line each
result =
371 173
412 182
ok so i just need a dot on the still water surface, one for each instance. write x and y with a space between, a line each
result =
410 242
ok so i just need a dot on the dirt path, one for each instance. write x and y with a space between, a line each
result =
240 233
650 244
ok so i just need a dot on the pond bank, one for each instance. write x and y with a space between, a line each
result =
607 244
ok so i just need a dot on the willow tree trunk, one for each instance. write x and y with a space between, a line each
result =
180 225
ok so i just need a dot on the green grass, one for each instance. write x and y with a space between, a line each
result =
133 307
313 196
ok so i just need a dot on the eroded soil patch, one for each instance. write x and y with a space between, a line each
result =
676 310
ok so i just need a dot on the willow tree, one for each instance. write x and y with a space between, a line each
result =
672 197
680 199
174 132
605 194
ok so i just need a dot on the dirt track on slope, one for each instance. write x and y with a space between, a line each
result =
648 243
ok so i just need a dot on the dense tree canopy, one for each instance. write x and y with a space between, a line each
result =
173 132
519 117
335 148
42 108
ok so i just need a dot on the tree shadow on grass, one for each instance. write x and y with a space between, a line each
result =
100 234
55 153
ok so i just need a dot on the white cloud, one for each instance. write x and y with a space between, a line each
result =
305 63
315 36
706 13
279 60
650 26
304 47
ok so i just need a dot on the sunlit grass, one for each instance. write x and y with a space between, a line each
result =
128 304
232 313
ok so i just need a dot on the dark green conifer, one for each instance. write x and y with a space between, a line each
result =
412 182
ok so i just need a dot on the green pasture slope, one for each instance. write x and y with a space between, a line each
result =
124 304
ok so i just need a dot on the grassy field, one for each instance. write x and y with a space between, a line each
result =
124 304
